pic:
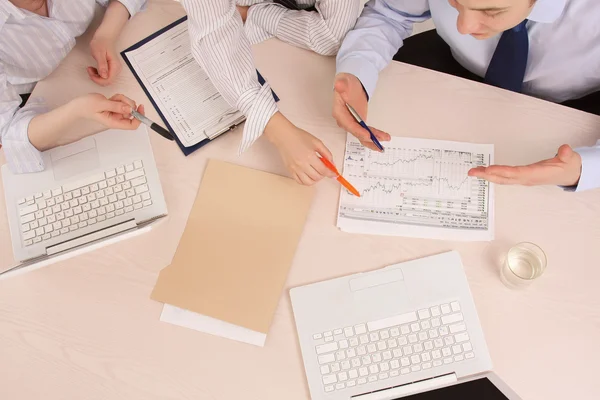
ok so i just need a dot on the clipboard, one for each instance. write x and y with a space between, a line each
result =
189 149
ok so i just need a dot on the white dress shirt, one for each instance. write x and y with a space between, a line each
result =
564 51
221 45
321 32
31 47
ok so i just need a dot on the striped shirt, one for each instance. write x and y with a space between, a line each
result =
221 45
31 47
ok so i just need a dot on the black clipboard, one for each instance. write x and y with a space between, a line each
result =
186 150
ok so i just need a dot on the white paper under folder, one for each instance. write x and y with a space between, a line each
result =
212 326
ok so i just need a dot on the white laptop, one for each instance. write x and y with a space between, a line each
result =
93 190
410 329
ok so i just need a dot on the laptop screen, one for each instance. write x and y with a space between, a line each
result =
480 389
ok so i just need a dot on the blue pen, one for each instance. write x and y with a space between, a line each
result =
364 125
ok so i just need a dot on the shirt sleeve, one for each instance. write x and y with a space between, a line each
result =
20 154
379 33
590 168
321 31
133 6
221 47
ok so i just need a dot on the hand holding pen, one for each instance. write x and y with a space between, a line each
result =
350 109
152 125
338 177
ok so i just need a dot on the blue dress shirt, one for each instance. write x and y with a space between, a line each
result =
564 54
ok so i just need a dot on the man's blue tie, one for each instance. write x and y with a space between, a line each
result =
509 62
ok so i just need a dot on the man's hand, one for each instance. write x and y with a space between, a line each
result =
108 65
562 170
243 10
298 150
349 90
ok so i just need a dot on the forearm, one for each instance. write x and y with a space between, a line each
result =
220 46
276 127
379 33
45 129
114 20
321 32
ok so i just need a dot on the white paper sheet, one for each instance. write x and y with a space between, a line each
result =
179 86
202 323
418 188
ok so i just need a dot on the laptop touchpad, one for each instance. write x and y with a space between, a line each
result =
377 288
75 158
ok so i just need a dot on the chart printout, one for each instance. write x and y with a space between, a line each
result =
418 188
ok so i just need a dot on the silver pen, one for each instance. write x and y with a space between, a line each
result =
152 125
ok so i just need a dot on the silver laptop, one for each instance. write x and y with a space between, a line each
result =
405 330
102 186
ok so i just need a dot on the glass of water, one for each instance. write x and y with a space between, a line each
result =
524 263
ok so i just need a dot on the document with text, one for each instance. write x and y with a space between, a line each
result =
418 188
179 87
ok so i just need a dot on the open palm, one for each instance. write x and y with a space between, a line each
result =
563 170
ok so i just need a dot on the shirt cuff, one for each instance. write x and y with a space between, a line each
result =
263 21
590 169
363 70
258 106
21 155
134 6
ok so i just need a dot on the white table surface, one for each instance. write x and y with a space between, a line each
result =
85 328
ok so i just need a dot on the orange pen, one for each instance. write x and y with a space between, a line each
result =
340 178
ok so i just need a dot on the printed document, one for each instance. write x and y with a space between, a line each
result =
418 188
181 89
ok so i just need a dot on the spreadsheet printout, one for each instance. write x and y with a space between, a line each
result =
183 92
418 188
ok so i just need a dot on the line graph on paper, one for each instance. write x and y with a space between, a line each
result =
417 182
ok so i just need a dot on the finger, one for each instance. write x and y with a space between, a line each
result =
565 153
92 72
341 85
99 81
505 171
124 99
305 179
101 58
318 164
476 172
312 172
95 77
499 179
497 170
323 171
296 178
346 121
323 150
123 123
116 107
370 145
114 68
381 135
495 176
141 109
134 124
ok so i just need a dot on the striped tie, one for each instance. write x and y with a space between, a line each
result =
292 5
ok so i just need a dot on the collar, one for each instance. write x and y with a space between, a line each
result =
547 11
8 9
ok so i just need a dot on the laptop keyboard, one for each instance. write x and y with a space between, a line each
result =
84 203
383 349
